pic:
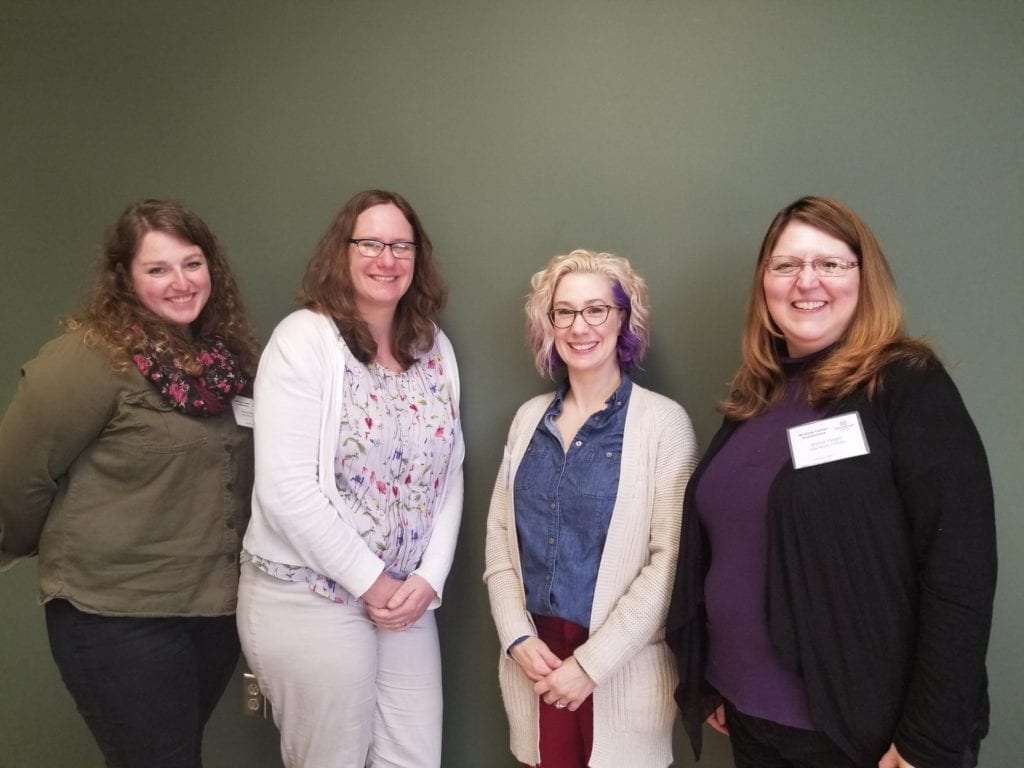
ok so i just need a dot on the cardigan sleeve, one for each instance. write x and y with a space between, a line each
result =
639 613
290 391
943 478
65 398
501 566
436 561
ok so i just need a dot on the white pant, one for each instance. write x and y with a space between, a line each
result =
344 693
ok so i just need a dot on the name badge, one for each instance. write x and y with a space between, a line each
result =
243 408
819 442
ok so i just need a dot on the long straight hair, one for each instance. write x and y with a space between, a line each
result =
874 337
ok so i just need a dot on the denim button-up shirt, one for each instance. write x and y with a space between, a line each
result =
563 507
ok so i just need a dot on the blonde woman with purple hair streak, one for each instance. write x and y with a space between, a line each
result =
583 530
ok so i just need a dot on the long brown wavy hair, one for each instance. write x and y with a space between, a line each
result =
327 284
114 319
874 337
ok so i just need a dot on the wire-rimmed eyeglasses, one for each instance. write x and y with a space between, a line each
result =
595 314
784 266
371 249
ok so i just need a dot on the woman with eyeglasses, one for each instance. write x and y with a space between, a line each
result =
124 467
358 499
834 591
583 528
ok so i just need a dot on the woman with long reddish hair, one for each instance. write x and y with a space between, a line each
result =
833 597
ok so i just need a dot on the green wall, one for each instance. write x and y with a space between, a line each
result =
669 132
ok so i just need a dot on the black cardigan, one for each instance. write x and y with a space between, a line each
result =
881 577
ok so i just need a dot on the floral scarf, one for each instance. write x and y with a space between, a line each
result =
207 394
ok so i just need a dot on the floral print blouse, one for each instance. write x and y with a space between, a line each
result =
397 434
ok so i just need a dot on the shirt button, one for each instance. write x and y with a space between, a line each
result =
229 487
552 505
551 539
608 454
579 443
231 523
228 447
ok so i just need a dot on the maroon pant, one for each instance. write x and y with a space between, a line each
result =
566 738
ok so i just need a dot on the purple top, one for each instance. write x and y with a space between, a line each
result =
732 503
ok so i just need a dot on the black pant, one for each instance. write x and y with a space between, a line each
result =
758 743
144 686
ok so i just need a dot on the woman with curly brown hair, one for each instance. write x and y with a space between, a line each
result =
358 499
122 466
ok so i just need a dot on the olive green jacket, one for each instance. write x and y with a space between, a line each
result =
133 507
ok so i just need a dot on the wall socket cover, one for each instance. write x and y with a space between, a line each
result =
254 703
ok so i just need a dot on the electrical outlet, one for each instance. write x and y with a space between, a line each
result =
254 703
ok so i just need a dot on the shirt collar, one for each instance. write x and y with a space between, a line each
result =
615 401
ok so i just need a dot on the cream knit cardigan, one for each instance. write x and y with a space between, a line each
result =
625 655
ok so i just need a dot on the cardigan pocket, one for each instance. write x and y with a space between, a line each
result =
640 693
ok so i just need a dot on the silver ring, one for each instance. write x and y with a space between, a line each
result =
560 705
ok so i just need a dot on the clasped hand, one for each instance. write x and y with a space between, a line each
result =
554 679
397 604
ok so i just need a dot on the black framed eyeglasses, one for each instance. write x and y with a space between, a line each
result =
371 249
595 314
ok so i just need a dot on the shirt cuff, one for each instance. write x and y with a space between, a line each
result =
516 642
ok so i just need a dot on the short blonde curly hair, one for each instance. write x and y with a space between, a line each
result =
628 289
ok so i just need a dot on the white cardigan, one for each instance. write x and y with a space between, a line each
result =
298 516
625 655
